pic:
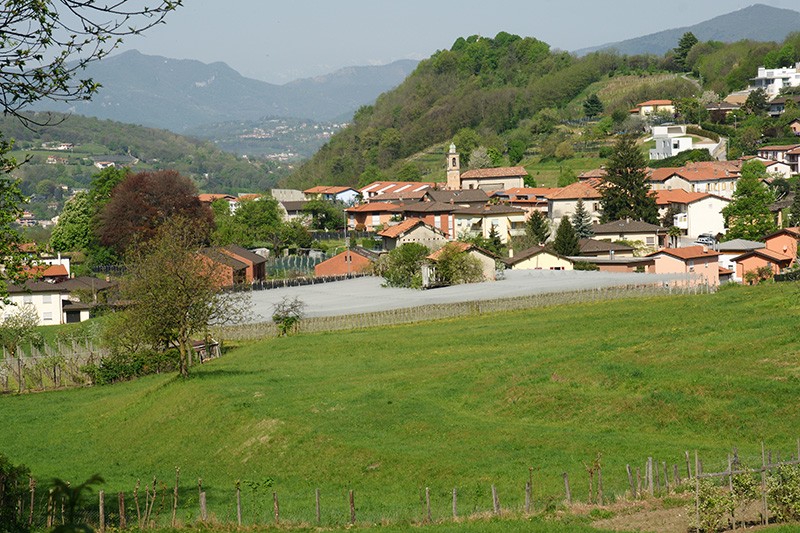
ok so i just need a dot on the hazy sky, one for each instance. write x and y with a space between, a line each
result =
282 41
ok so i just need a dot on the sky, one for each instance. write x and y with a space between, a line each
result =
280 41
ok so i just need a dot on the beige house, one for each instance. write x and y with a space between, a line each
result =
46 298
563 201
714 177
645 109
505 220
538 258
412 230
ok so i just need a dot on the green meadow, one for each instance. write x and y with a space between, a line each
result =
466 403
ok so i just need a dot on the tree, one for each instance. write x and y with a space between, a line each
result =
174 291
402 267
14 259
626 193
516 151
566 240
564 150
757 102
454 266
748 215
794 210
537 227
18 327
287 315
582 221
480 158
325 215
74 228
688 40
145 200
592 106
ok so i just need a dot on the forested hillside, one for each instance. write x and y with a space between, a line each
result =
497 88
93 139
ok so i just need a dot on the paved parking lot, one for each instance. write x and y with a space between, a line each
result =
364 295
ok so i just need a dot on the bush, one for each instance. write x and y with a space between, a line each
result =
715 505
605 151
126 366
783 489
454 267
402 267
13 488
584 265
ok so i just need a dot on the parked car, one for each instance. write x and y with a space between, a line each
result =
707 239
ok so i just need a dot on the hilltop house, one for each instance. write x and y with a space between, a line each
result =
332 193
772 80
650 107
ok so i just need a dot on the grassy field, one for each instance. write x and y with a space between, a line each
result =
462 403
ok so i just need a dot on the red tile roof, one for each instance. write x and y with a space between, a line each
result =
700 171
394 187
690 252
500 172
327 189
779 148
393 232
766 253
679 196
208 198
373 207
575 191
655 103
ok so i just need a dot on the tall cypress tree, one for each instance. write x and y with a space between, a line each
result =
566 241
626 193
582 221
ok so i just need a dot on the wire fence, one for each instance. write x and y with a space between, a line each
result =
452 310
175 501
48 366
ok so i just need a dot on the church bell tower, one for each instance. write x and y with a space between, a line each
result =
453 169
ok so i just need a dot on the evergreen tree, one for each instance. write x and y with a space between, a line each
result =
794 210
593 106
582 221
626 193
748 215
566 241
688 40
537 227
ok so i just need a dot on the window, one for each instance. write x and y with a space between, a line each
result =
651 241
437 221
47 298
453 163
376 220
47 315
27 298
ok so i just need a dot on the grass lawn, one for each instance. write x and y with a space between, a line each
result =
466 403
546 173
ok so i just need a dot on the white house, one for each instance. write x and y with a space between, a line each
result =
505 220
697 212
563 201
346 195
45 297
772 80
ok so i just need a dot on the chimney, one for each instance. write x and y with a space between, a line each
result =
705 249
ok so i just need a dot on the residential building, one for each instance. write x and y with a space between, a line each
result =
436 214
715 177
256 269
698 262
538 258
697 212
460 197
353 261
730 250
632 231
46 298
372 216
650 107
228 271
604 249
332 193
294 210
412 230
505 221
787 153
772 80
563 201
378 188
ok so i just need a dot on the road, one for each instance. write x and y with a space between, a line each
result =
363 295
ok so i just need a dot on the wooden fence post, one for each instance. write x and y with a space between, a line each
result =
599 485
688 466
352 507
175 496
765 518
529 491
676 478
123 521
316 497
566 489
455 504
32 485
275 509
203 509
638 482
495 501
101 495
649 475
666 477
630 481
238 504
428 503
697 489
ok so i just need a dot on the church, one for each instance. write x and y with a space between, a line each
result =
486 179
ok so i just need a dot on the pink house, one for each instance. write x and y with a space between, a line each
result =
699 261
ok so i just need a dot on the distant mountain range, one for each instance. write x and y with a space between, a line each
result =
757 22
179 94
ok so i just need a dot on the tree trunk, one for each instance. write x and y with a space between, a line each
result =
183 348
